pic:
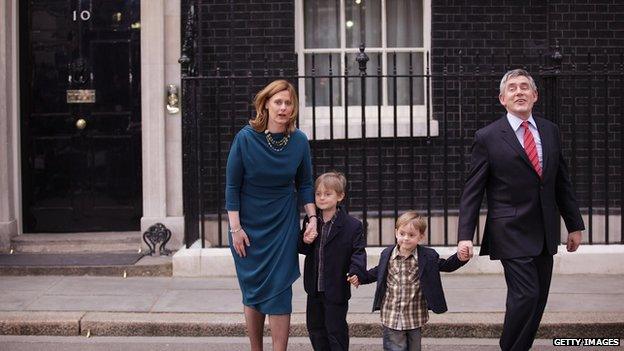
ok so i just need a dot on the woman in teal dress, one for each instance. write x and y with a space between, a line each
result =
268 170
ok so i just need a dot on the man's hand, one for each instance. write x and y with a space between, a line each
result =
574 241
464 250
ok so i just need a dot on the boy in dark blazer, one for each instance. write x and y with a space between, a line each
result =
408 284
331 258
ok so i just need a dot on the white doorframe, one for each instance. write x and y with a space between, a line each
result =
161 132
10 170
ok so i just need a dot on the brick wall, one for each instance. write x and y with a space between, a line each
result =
479 37
492 36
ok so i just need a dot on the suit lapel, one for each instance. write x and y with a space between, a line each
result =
509 136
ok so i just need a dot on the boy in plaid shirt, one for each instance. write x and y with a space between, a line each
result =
408 284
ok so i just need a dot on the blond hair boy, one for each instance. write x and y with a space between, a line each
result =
403 298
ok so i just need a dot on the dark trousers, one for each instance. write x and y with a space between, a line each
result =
528 283
327 324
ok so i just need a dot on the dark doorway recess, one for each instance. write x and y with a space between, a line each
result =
80 115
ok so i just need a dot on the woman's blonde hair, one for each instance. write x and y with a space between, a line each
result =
262 115
412 217
335 181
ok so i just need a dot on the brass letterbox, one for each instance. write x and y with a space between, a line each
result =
81 96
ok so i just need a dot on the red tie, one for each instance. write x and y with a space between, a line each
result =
531 149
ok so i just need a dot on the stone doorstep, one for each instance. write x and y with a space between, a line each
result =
448 325
162 270
157 266
589 259
77 242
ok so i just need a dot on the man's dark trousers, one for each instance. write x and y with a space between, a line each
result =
528 283
327 324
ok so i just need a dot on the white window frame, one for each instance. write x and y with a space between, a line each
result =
355 112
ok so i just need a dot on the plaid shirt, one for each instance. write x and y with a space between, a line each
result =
403 306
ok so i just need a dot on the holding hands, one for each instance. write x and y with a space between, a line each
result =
310 233
464 250
353 280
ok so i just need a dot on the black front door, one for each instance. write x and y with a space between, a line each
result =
80 115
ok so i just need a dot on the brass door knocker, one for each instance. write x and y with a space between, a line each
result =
173 99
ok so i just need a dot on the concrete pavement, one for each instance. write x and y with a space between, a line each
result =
579 306
155 343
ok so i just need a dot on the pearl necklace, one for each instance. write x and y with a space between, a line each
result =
276 145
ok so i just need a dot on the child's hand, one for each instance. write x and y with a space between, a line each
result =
353 279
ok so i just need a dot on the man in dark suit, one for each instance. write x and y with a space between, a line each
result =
517 161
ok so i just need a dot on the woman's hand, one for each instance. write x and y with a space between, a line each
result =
239 241
310 233
309 238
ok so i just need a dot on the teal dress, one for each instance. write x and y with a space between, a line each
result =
264 185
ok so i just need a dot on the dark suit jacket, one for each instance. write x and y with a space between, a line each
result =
522 208
429 267
343 253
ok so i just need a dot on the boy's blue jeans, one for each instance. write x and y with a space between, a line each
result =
401 340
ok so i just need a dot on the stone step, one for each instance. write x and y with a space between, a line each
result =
77 242
147 266
89 244
448 325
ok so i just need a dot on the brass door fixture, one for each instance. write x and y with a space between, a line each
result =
173 99
81 123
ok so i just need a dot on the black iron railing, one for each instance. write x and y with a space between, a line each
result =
391 173
391 169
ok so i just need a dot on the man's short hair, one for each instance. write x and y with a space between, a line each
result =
517 73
